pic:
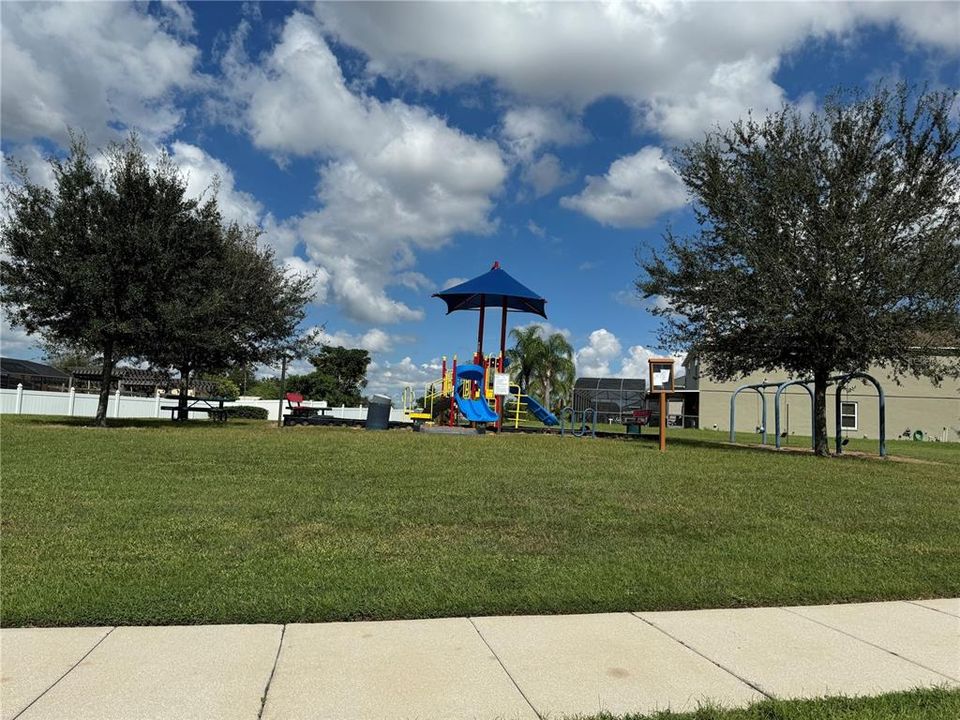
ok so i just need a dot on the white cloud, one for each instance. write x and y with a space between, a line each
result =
683 66
178 17
928 23
373 340
97 67
397 178
35 161
601 357
546 174
14 341
200 170
536 229
731 89
527 129
390 378
636 365
635 191
320 287
593 360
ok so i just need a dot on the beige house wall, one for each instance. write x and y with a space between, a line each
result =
914 404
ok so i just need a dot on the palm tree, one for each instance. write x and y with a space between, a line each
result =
544 366
525 355
555 370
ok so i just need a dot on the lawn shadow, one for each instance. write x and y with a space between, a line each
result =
128 423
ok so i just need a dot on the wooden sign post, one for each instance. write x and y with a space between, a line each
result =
661 382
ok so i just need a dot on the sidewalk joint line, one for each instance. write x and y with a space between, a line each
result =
936 610
494 652
70 670
710 660
273 670
871 644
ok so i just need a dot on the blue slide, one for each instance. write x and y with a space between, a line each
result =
473 410
476 410
540 412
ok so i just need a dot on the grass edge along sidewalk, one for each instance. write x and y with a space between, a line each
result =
155 523
920 704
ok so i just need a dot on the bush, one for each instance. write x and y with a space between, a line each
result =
247 412
226 388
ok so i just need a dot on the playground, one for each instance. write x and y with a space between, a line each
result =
158 523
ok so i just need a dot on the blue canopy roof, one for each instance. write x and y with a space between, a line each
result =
494 287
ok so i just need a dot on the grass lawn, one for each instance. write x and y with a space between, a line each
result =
915 705
153 522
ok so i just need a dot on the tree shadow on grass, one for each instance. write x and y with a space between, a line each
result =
134 423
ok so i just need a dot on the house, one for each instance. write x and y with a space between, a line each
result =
912 405
32 375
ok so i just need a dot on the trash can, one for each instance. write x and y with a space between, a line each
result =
378 413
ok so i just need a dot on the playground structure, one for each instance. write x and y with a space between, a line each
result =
467 392
841 382
479 392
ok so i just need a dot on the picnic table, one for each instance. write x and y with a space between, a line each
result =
301 414
212 407
636 421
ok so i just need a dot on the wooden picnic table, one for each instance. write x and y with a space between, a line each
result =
212 407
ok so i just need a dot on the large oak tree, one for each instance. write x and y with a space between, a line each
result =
87 261
118 260
827 242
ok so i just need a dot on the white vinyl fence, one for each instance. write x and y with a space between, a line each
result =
81 404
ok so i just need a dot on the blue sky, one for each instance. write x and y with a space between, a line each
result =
394 148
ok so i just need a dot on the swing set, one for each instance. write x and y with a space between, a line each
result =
841 382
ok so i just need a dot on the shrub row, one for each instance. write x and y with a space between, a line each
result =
247 412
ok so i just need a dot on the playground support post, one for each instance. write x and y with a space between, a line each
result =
453 392
805 384
501 405
881 398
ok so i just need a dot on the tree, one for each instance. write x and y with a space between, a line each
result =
542 365
556 370
87 261
525 355
231 305
827 242
340 375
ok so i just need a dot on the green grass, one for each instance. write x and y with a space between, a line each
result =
154 522
934 704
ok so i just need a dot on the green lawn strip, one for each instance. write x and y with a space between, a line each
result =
154 523
932 704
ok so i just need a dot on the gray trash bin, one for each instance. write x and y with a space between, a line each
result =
378 413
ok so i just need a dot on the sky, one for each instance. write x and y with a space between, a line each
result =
396 149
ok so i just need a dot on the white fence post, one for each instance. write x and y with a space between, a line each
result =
116 407
19 398
156 409
71 402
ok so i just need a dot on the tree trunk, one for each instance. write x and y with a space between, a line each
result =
182 413
100 419
546 393
822 442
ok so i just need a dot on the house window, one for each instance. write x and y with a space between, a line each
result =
849 415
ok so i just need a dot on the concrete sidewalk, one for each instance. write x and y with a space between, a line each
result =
485 667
